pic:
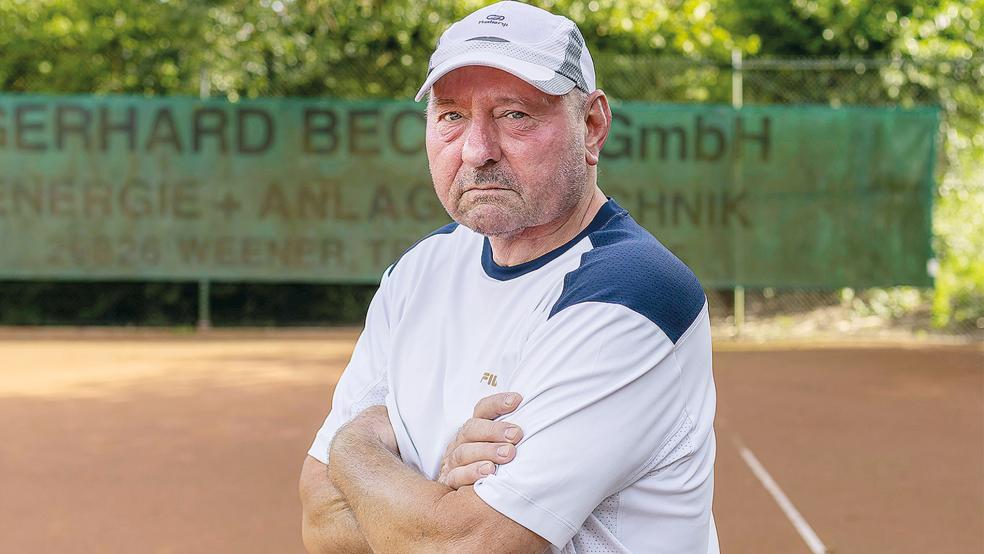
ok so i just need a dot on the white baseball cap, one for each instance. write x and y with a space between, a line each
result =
543 49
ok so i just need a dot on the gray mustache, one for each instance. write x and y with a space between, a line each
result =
489 177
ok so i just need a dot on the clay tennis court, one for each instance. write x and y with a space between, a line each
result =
155 442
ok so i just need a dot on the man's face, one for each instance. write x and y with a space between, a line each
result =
503 155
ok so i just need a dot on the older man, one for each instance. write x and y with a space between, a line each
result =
536 375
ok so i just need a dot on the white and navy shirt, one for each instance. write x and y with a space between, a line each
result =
606 338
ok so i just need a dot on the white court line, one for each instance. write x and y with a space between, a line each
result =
802 527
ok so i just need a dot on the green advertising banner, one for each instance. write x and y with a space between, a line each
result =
118 187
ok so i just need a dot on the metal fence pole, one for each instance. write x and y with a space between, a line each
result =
204 306
204 300
736 102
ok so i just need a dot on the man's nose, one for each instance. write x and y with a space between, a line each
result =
481 143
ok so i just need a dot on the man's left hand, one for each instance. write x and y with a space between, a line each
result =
482 443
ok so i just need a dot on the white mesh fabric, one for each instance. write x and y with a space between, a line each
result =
375 396
599 533
679 445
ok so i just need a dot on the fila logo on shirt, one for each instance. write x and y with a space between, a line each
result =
489 378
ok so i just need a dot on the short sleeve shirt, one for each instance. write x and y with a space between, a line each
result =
607 338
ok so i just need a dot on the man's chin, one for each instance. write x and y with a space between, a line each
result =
491 221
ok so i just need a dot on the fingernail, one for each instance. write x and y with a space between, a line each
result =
510 399
486 469
502 451
511 433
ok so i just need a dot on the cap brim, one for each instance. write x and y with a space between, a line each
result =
529 72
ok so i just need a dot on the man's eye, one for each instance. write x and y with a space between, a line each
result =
451 116
516 115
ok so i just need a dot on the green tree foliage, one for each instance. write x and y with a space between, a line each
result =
127 46
300 47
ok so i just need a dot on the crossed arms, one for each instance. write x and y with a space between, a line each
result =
594 375
367 500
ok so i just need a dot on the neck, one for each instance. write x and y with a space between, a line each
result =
533 242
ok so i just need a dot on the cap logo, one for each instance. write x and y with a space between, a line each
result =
494 19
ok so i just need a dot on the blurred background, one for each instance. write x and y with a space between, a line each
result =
861 402
833 53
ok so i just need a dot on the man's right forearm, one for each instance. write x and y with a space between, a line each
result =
328 525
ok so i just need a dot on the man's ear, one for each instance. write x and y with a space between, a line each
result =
597 123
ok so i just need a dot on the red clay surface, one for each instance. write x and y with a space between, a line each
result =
131 443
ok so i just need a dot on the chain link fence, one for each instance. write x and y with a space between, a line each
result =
897 311
907 312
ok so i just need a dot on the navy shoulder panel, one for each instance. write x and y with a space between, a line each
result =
446 230
628 266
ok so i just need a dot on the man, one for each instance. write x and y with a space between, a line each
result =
536 375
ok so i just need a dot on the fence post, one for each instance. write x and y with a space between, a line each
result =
204 300
736 102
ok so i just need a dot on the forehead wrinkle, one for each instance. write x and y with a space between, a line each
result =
465 85
441 101
535 102
538 101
